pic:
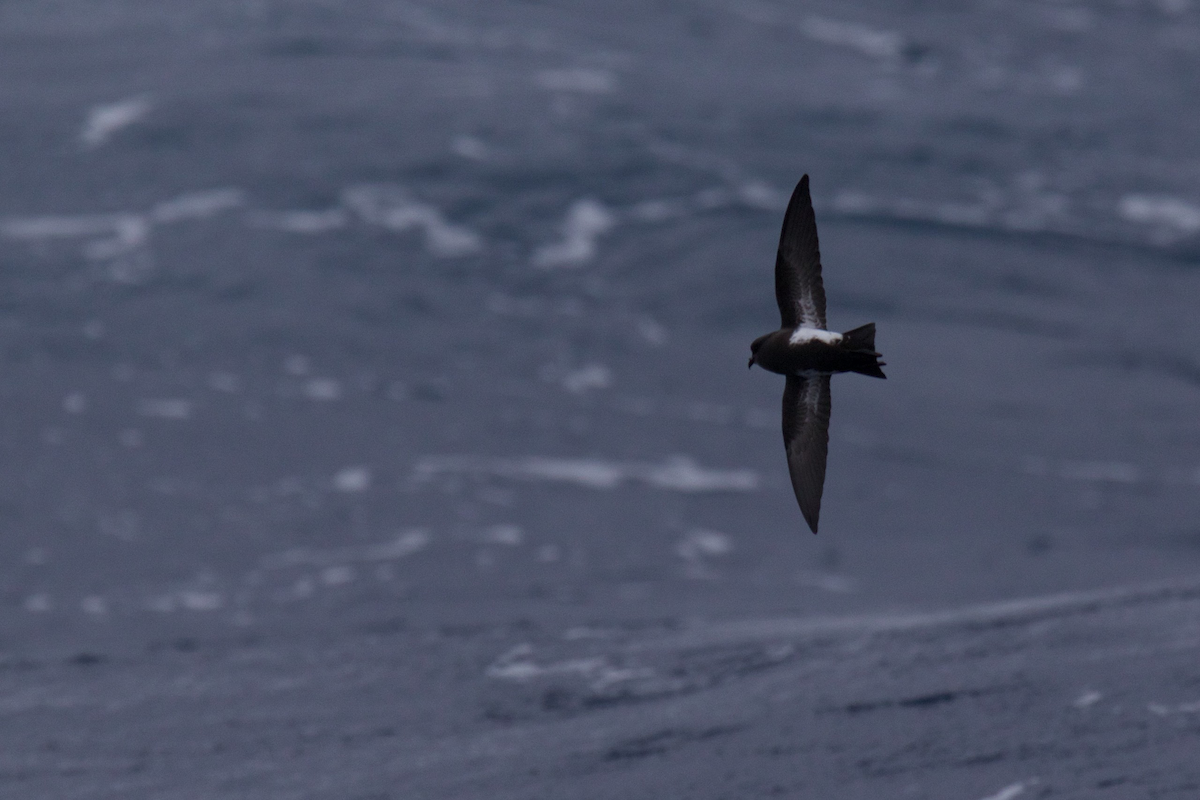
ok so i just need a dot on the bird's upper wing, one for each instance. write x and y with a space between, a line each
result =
798 287
806 404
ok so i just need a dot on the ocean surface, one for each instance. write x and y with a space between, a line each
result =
397 351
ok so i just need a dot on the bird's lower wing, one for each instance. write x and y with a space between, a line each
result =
806 406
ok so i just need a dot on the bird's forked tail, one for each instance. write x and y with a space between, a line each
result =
861 342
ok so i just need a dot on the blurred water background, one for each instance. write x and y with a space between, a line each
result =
323 313
267 265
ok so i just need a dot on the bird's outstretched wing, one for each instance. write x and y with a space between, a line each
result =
798 286
806 404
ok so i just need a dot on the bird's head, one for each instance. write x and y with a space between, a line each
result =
757 343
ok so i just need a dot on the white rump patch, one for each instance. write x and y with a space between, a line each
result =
802 335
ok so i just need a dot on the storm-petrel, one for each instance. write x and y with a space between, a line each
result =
807 353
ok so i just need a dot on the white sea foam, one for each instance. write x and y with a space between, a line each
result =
657 210
201 599
95 605
1163 710
296 364
591 376
1010 791
579 80
224 382
506 534
678 474
60 227
586 221
393 208
75 403
301 221
125 247
352 479
697 546
703 543
39 603
868 41
338 575
835 584
197 205
1171 217
518 665
758 194
470 147
106 119
404 545
323 389
652 332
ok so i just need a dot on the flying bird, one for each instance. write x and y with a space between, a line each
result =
807 353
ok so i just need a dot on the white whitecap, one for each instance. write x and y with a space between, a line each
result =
224 382
95 605
352 479
835 584
323 390
1009 792
60 227
506 534
197 205
586 378
703 543
201 600
470 147
519 666
338 575
1171 215
758 194
39 603
106 119
301 221
652 332
580 80
679 473
868 41
393 208
75 403
587 219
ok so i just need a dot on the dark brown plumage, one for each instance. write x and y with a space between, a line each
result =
807 353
